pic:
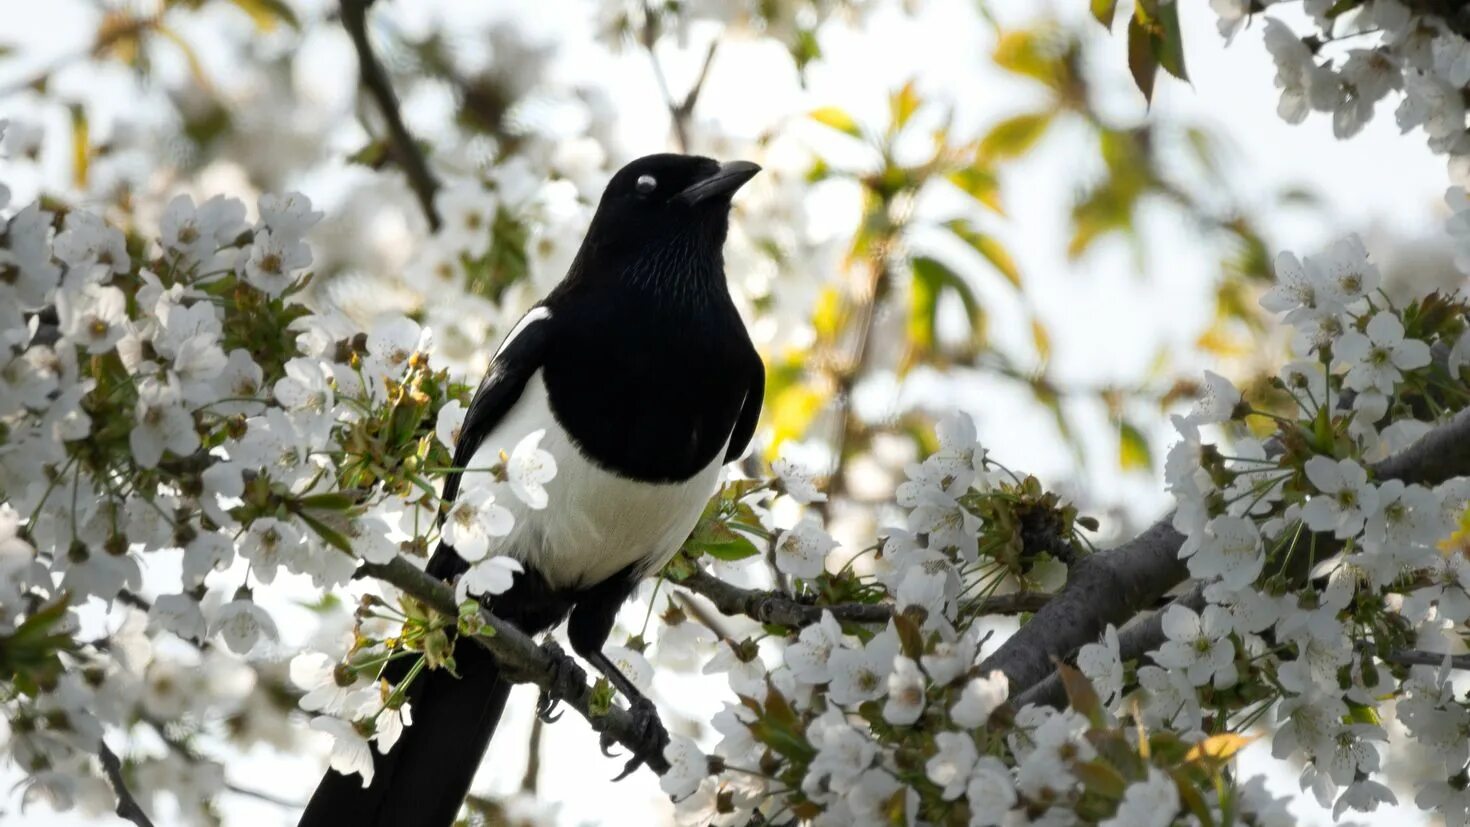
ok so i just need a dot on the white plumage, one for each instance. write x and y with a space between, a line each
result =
595 522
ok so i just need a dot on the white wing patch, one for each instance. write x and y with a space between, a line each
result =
596 522
532 316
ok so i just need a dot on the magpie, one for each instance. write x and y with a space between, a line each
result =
640 371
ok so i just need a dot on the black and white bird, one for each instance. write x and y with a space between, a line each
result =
639 369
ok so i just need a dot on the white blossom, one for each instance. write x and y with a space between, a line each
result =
980 697
1345 500
1152 802
474 520
242 624
802 551
350 750
951 766
1376 358
529 469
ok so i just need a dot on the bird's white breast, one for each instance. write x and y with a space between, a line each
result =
595 523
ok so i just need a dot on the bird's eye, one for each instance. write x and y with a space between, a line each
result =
646 184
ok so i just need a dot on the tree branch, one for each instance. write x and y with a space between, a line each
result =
679 111
406 152
127 806
1418 657
519 658
1112 586
781 610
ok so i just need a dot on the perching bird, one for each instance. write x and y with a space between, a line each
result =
641 373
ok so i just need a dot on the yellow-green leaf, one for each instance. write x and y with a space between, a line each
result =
1081 695
1041 338
980 183
902 105
1133 449
1104 10
990 248
1014 136
791 411
828 312
1021 52
81 146
1219 748
837 119
267 13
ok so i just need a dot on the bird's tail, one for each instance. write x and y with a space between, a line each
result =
423 780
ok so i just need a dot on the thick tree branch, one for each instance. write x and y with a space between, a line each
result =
127 806
1114 585
781 610
375 79
521 660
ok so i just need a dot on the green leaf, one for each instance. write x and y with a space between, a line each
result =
980 183
1133 450
1104 11
1142 61
837 119
1101 779
721 542
1168 41
1014 136
989 247
327 533
931 278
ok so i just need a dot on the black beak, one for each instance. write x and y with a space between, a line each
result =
729 177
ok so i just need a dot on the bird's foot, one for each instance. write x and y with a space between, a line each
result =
649 737
567 678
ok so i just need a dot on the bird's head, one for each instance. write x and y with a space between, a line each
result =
663 212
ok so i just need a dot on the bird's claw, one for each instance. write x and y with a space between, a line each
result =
649 737
566 679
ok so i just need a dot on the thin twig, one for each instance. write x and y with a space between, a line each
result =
405 150
127 806
519 658
680 112
533 757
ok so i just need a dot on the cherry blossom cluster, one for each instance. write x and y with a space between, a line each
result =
845 722
1316 574
1363 53
178 428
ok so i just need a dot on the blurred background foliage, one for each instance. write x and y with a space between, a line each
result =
882 261
902 295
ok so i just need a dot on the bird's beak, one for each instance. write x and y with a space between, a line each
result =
729 177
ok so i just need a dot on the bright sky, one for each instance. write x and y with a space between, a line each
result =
1107 319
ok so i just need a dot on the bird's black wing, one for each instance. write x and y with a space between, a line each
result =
750 410
520 356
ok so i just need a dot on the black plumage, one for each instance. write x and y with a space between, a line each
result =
641 370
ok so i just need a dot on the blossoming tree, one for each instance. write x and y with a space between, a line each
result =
199 403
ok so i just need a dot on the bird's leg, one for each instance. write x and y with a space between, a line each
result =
648 728
588 628
566 679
